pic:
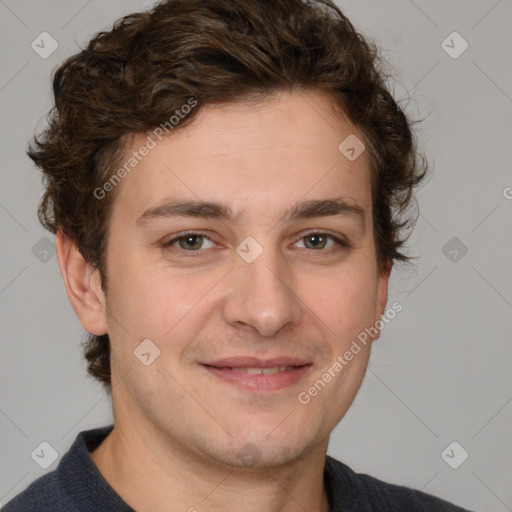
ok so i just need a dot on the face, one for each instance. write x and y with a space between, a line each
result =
249 303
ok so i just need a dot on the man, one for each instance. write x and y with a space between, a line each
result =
227 183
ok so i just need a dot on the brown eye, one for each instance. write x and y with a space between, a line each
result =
192 242
189 242
319 241
315 241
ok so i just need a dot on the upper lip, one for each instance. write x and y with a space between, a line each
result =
255 362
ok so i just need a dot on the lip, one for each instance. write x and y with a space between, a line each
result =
255 362
224 370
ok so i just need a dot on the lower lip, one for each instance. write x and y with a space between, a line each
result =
259 382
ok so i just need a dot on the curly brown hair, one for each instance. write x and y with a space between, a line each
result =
132 78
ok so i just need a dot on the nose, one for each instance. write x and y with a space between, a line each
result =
261 295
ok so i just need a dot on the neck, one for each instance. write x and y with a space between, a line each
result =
150 475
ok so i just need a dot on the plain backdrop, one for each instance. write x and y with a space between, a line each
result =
440 372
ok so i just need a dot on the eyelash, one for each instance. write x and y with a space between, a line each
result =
342 244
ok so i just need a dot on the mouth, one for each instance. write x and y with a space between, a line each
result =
253 374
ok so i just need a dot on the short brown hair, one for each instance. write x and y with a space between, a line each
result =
132 78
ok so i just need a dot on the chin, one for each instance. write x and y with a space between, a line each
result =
261 452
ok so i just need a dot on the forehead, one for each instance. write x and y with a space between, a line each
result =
261 156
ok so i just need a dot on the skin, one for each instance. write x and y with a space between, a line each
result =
179 430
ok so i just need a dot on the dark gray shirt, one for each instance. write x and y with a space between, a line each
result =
77 486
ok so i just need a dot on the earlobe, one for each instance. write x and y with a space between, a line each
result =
83 285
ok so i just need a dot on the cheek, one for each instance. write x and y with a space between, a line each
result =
344 300
154 302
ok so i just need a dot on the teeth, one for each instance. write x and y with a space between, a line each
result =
263 371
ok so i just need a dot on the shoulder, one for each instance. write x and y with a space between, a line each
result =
42 495
71 484
376 495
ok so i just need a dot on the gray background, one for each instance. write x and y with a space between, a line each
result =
441 370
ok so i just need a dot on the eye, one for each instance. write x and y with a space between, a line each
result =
189 242
317 240
192 241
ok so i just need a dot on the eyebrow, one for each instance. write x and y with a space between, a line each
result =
221 211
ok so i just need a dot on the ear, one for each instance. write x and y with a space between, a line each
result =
382 292
83 285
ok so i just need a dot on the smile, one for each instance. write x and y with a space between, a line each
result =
264 371
255 375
